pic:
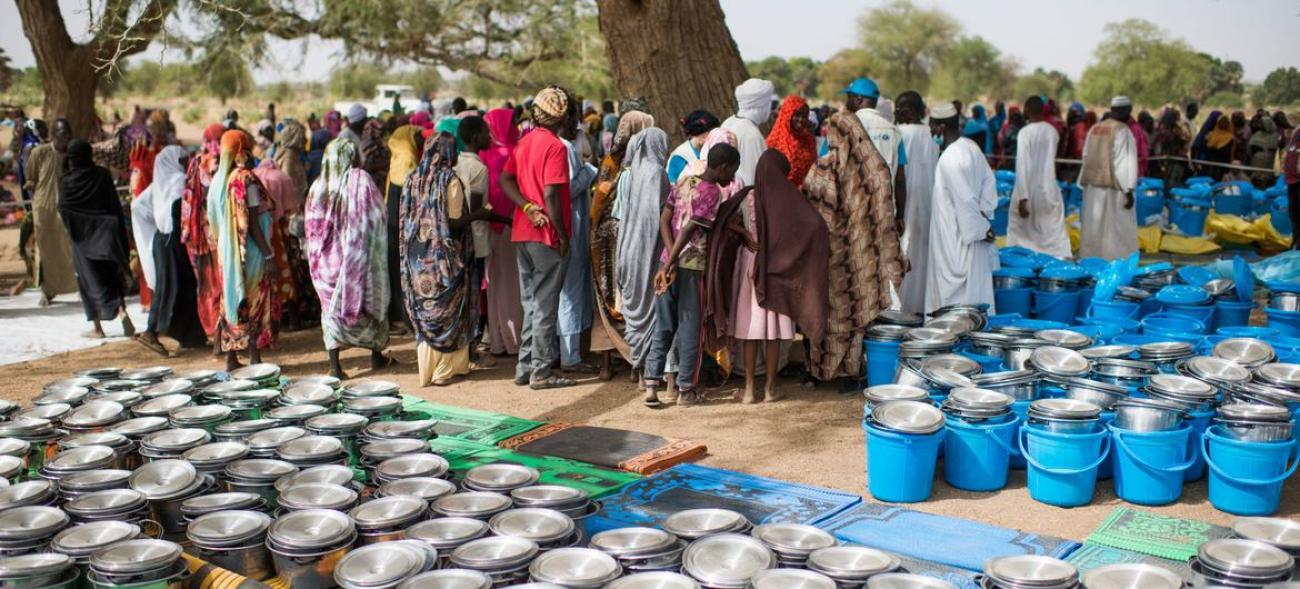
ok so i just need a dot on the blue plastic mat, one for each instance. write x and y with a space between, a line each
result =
950 541
688 486
961 578
1091 556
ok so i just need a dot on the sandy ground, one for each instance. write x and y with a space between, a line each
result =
813 437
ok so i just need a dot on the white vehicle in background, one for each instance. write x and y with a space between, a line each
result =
385 94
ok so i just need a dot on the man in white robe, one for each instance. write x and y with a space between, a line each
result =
753 108
1109 173
1037 210
962 254
923 156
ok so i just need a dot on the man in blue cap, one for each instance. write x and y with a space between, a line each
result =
862 97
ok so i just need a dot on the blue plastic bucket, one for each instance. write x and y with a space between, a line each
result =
977 456
1125 325
1172 325
1136 339
1014 300
1106 470
1063 467
1246 477
904 462
882 362
1062 307
1149 466
1199 421
1232 313
1286 322
1100 333
1148 306
1085 301
1264 333
1021 409
1201 313
1116 309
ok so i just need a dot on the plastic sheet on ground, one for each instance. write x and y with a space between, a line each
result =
1284 267
1237 230
33 332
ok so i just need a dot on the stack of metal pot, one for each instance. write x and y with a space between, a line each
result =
978 405
1130 374
307 545
500 477
233 540
781 578
1192 394
445 534
852 566
1065 415
1280 533
693 524
907 417
374 452
480 505
423 464
167 483
727 561
1020 385
1216 371
1247 352
1101 394
1057 363
172 443
1254 422
29 528
1030 572
138 563
793 543
384 519
640 550
384 566
124 505
311 496
886 393
1148 415
503 558
575 568
1233 562
1064 338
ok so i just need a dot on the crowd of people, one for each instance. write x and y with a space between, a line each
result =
575 238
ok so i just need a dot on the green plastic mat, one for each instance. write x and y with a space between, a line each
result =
484 427
454 449
1091 556
596 481
1144 532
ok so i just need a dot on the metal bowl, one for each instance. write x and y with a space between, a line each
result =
1248 352
1148 415
1101 394
1059 362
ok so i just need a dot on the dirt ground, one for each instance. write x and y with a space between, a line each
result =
813 437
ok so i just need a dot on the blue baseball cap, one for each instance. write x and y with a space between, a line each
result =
863 87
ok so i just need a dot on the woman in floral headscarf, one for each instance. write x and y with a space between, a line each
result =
199 240
239 216
792 136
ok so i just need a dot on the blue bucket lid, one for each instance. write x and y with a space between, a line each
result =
1153 268
1182 294
1195 275
1279 286
1243 279
1064 272
1014 272
1200 180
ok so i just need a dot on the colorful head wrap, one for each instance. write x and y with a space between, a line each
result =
550 106
799 147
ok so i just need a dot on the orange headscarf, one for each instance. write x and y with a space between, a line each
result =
800 147
236 142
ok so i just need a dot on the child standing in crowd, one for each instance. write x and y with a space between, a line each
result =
473 173
686 219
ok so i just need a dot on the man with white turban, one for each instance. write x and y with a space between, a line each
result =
356 120
754 107
1109 173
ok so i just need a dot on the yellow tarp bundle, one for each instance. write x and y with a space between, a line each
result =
1072 227
1149 239
1236 230
1152 240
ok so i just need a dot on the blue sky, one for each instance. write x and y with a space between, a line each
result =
1055 34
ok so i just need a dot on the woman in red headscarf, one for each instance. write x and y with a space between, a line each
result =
195 233
504 309
792 136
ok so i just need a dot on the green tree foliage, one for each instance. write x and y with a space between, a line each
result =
907 42
226 75
1224 100
1140 60
1280 88
1223 76
796 75
971 69
7 72
1053 84
841 69
357 80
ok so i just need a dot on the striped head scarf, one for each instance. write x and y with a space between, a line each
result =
550 106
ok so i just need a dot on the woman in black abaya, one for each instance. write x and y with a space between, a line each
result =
91 211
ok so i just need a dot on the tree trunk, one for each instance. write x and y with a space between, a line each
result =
70 94
677 54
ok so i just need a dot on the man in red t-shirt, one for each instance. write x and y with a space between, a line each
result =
536 178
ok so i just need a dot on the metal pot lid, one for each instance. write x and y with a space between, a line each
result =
100 373
128 399
310 448
907 581
26 493
324 379
575 567
790 579
494 553
181 438
1287 375
887 332
852 562
162 405
1254 412
10 466
51 412
138 426
1219 287
227 528
895 392
1263 392
931 334
472 504
1058 361
426 488
386 512
216 452
448 579
337 422
1026 343
788 538
250 398
296 412
654 580
1064 338
991 338
245 426
270 439
954 362
372 404
540 525
69 395
1132 576
947 378
1245 351
311 528
260 469
1181 386
330 474
104 478
1005 378
202 504
895 317
201 375
1216 369
311 393
113 440
908 416
85 539
106 386
1280 532
310 496
500 476
1247 558
165 479
447 532
76 381
152 373
25 427
957 325
420 428
39 564
633 542
974 398
31 521
1032 570
548 496
256 372
727 559
425 464
230 386
135 556
106 502
382 565
393 447
371 388
199 414
83 458
696 523
1112 351
1123 367
14 447
1097 385
1065 409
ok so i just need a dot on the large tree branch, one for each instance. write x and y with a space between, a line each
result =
116 38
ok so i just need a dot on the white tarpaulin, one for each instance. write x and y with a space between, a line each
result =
30 331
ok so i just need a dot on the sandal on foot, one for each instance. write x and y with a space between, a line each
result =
651 400
553 382
152 344
581 368
688 398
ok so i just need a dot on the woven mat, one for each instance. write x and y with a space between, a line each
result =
484 427
612 448
1144 532
1091 556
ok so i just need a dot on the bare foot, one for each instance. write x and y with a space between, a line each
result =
18 288
94 334
748 397
45 300
771 396
339 374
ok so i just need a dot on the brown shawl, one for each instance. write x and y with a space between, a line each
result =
850 186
